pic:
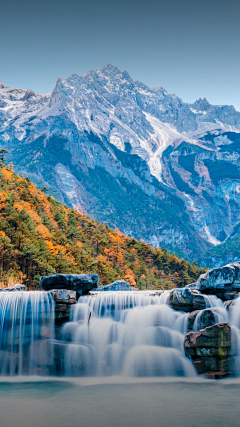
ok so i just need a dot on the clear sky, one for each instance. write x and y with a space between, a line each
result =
190 47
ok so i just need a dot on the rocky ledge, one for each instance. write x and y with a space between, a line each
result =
224 282
186 299
81 283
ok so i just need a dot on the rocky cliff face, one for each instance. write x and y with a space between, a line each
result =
135 157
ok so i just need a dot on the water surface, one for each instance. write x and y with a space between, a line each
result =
119 402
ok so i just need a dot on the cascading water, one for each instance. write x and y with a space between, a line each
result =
126 333
26 329
235 327
218 312
110 333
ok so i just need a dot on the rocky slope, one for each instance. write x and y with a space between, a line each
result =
134 157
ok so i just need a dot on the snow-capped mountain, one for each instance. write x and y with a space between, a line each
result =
135 157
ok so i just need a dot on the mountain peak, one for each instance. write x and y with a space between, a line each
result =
201 104
2 86
110 69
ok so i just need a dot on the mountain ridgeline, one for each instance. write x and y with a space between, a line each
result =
40 236
136 158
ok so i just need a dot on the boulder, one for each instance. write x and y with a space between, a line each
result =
216 336
82 283
118 285
224 282
204 318
64 296
186 299
210 350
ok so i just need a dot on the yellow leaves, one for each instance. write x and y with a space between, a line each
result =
103 260
43 232
19 206
137 264
79 245
7 173
71 258
3 202
53 249
129 277
133 250
33 190
2 196
116 238
2 234
107 252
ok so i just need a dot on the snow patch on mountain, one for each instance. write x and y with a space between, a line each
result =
163 136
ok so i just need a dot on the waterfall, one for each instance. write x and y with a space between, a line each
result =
109 333
213 301
235 328
215 309
126 333
26 329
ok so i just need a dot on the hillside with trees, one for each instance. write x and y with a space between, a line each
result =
39 236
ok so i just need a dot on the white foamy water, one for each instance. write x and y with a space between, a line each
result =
26 326
126 333
111 334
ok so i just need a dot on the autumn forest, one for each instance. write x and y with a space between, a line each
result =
39 236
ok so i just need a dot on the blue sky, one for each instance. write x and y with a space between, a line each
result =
190 47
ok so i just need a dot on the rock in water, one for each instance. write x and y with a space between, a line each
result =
63 299
18 287
224 282
82 283
201 319
187 300
64 296
118 285
210 350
